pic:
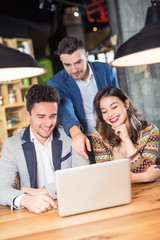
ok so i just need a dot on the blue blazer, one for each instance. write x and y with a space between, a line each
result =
70 110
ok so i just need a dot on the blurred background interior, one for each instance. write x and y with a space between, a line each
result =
103 25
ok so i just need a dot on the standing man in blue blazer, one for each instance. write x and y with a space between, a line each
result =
77 85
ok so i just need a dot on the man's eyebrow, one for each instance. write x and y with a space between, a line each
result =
53 114
66 63
73 63
78 60
41 114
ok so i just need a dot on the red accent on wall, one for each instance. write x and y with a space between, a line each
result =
97 6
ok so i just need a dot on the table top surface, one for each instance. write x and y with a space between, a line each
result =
139 219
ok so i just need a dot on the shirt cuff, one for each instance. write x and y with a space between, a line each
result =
16 201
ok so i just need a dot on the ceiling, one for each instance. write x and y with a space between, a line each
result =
42 20
43 10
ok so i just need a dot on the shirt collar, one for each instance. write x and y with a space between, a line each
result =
90 72
33 137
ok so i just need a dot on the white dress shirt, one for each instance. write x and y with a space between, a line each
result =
45 169
88 90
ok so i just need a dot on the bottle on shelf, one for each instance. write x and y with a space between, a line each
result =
26 81
11 95
20 47
1 100
9 123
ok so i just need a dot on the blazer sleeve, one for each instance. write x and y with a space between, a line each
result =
66 110
8 172
66 114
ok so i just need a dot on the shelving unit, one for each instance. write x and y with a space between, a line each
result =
14 111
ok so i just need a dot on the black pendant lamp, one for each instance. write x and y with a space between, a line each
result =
144 47
17 65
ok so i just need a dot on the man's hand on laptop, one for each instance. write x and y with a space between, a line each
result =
79 141
39 203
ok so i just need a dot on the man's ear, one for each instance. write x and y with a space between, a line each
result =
27 114
127 103
87 56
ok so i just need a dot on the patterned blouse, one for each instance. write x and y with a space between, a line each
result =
144 157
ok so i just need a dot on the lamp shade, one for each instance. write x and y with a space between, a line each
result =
17 65
144 47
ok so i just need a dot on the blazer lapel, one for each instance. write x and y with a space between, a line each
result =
73 88
30 156
56 149
75 95
97 74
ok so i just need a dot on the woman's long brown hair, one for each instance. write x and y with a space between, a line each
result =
104 129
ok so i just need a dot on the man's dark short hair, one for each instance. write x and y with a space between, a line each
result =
69 45
41 93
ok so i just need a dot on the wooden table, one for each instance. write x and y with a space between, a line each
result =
139 220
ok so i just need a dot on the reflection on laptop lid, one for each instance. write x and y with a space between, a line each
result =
93 187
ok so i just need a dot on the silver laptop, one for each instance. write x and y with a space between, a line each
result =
92 187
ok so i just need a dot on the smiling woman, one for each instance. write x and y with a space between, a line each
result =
120 133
